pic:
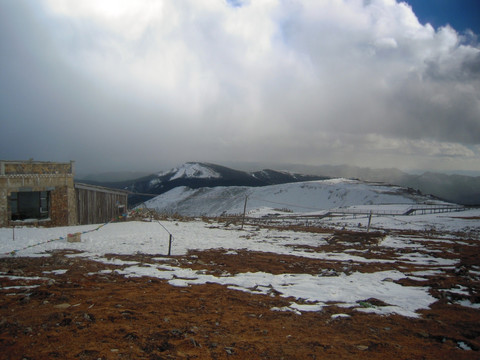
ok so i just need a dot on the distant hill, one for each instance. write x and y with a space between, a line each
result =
195 175
299 197
460 189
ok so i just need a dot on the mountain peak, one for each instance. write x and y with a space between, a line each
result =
191 170
196 175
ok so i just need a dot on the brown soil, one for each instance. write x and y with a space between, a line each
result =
87 314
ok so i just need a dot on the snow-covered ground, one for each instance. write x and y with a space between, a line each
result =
191 170
296 197
444 222
315 291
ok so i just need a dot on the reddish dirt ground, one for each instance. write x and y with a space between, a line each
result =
87 314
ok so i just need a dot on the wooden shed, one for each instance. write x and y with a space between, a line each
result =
97 204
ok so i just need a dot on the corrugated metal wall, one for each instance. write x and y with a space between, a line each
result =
96 205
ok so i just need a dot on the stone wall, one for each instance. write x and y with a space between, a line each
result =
56 178
59 206
35 167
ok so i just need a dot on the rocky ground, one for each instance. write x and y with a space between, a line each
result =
63 307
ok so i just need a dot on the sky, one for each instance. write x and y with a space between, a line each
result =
145 85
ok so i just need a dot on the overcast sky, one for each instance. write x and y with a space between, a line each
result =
148 84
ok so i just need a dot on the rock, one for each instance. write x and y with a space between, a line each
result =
176 332
62 306
89 317
194 329
423 334
195 343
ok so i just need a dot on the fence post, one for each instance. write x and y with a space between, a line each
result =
244 210
169 244
369 221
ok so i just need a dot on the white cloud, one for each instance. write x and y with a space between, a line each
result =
298 78
125 18
410 147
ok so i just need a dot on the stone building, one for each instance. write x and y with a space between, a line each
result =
44 193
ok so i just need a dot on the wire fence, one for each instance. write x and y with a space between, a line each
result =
312 219
322 216
15 251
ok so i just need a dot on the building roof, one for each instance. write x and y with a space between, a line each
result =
100 189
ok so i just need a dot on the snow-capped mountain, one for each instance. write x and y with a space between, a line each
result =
195 175
458 189
191 170
299 197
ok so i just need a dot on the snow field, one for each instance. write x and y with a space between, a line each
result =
297 197
312 292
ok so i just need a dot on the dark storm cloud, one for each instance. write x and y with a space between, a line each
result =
145 83
49 111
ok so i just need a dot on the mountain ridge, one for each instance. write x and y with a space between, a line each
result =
456 188
461 189
195 175
297 197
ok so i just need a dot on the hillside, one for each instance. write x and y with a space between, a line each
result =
196 175
458 189
292 197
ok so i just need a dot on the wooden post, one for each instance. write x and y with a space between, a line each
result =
170 244
369 221
244 210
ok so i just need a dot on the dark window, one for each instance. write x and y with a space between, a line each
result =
30 205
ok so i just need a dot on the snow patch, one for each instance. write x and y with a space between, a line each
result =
312 292
299 197
194 170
